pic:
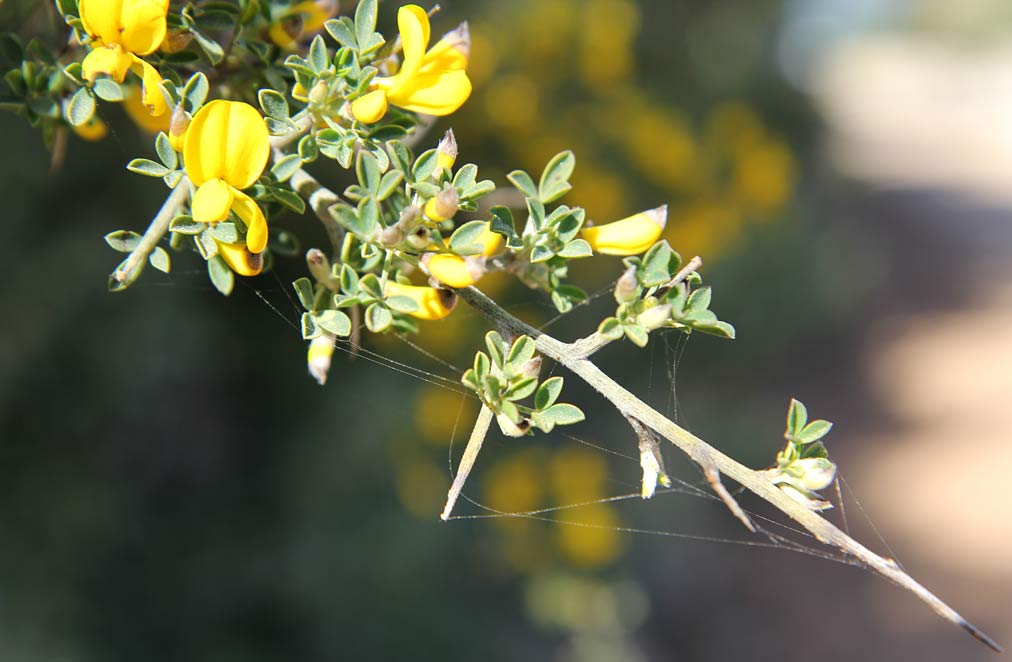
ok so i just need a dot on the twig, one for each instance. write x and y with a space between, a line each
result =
467 461
631 406
692 265
131 267
712 476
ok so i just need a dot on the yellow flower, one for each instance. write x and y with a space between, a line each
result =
433 303
321 351
454 270
239 258
93 130
225 150
299 20
629 236
120 31
430 82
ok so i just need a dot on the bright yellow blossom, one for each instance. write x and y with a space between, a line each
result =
433 303
431 82
93 130
454 270
629 236
225 150
240 259
121 30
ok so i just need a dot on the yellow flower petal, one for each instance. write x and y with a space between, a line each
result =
452 270
101 19
151 87
143 25
629 236
92 130
212 201
490 241
280 36
433 94
413 23
111 61
249 211
240 259
226 140
370 107
433 303
140 114
449 53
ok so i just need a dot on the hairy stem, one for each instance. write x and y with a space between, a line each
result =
467 461
754 481
131 268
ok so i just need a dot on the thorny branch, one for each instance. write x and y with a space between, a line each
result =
632 407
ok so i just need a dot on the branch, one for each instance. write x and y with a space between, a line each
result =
467 461
131 268
632 407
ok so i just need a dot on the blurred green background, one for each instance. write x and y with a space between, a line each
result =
177 488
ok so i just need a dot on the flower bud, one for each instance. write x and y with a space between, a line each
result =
627 289
511 429
531 367
654 318
391 236
239 258
318 95
409 218
433 302
629 236
178 124
446 151
454 270
319 265
443 205
818 472
419 238
321 349
490 241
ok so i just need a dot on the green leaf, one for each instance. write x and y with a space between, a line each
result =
304 291
343 32
610 328
521 388
221 276
166 154
148 168
521 351
814 431
186 225
400 156
636 334
123 241
368 171
349 280
576 249
308 150
108 90
465 177
159 259
424 166
496 348
523 182
402 304
211 48
289 199
391 180
797 417
274 104
481 365
226 232
334 322
309 328
365 21
81 107
536 210
719 329
196 91
548 393
555 179
560 414
368 216
699 300
502 223
464 240
318 59
541 253
286 167
656 264
370 284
